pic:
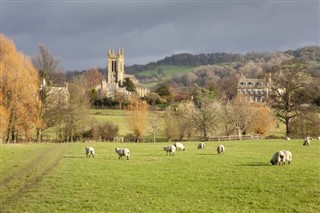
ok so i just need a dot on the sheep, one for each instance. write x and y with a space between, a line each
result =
287 138
278 158
220 149
288 156
170 149
307 141
123 152
201 146
89 151
319 138
179 146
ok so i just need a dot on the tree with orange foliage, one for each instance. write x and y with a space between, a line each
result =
137 117
19 83
264 122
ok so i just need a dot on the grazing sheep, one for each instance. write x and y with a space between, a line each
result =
288 156
278 158
318 138
307 141
89 151
123 152
220 149
287 138
170 149
179 146
201 146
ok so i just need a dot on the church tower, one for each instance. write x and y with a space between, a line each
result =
115 69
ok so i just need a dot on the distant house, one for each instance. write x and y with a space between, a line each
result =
115 77
256 90
56 94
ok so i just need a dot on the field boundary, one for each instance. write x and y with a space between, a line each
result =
233 138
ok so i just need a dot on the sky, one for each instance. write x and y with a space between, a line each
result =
79 33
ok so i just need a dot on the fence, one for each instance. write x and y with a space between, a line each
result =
233 137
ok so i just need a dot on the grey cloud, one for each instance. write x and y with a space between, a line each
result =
80 32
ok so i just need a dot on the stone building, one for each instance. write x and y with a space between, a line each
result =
115 77
256 90
55 94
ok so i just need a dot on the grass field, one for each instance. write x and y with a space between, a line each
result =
58 178
167 72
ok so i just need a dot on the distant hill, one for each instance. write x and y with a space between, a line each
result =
180 64
308 53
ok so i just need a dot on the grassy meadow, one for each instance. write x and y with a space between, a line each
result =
167 72
59 178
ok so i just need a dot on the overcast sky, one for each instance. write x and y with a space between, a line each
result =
79 33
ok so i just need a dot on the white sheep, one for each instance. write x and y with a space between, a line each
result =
89 151
220 149
287 138
319 138
288 156
307 141
201 146
179 146
123 152
278 158
170 149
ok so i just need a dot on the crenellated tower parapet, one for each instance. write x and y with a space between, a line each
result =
115 67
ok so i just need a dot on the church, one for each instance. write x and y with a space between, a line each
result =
115 77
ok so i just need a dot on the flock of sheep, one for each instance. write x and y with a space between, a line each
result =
179 146
281 157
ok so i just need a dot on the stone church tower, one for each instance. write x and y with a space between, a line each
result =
115 69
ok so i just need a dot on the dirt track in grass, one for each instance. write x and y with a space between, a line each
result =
14 186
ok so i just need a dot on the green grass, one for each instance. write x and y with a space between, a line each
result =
58 178
117 117
167 71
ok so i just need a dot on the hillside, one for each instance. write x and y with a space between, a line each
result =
251 64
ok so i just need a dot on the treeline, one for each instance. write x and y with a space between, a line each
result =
308 53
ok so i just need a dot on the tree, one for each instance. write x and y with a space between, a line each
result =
264 121
18 93
239 113
183 114
307 123
154 126
120 97
93 77
129 85
78 110
170 127
137 117
164 92
48 67
289 80
204 118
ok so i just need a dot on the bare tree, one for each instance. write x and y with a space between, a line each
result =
47 65
93 77
239 113
120 97
49 71
78 110
154 126
204 118
288 82
184 123
170 126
